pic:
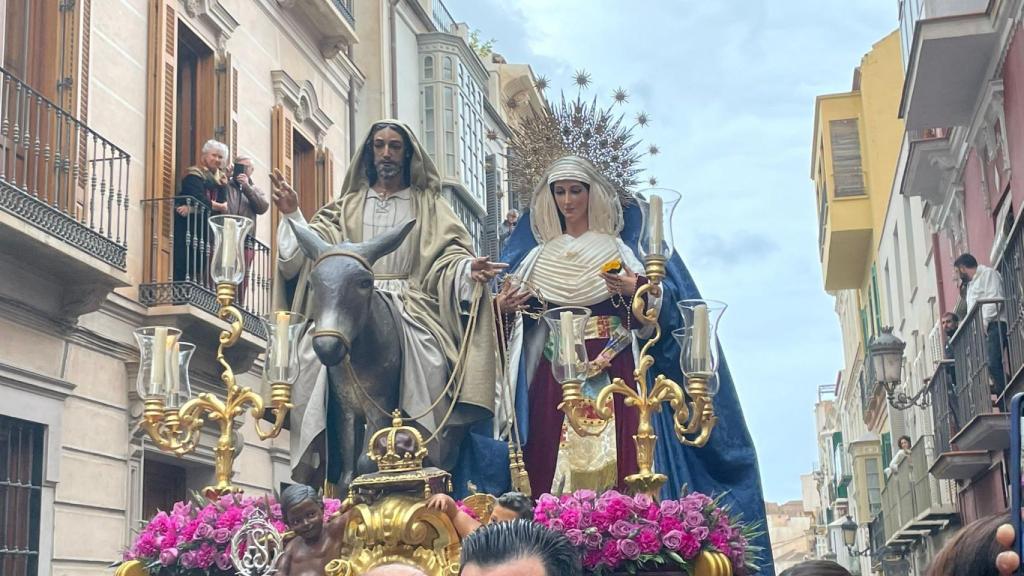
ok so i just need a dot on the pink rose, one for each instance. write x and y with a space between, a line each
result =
593 540
673 539
221 535
586 494
670 508
700 533
190 559
622 529
642 501
629 549
204 531
168 556
694 519
223 561
575 536
556 524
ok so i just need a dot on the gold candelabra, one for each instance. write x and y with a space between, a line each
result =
693 406
174 420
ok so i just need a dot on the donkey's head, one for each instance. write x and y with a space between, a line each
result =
342 287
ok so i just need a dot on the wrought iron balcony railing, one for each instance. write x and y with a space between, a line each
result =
973 390
177 267
59 175
442 17
345 7
913 500
942 391
1011 268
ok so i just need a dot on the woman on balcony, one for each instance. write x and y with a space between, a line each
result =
203 189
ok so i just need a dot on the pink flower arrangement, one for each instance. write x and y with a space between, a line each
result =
618 532
194 538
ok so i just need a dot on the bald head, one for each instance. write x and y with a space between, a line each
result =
395 570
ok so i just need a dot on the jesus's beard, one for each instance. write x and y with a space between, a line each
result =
388 170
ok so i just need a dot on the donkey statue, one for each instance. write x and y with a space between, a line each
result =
353 320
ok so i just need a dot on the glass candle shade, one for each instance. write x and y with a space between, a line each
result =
228 263
658 207
157 345
698 338
284 329
568 327
179 388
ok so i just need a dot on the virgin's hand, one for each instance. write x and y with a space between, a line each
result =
482 269
285 197
623 284
510 299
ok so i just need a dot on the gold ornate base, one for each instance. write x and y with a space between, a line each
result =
712 564
646 483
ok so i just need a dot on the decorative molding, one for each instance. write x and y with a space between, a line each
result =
302 101
215 14
38 384
82 299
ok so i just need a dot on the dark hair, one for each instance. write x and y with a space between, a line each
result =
496 544
816 568
561 218
972 551
371 169
517 502
952 315
902 438
296 494
967 260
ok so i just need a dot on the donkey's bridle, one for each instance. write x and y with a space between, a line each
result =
357 257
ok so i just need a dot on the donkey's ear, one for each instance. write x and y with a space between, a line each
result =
310 242
387 243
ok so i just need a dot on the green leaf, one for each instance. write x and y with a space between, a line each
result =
676 557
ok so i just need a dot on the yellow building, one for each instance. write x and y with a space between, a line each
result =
855 149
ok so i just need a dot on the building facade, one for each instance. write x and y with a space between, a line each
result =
104 105
952 192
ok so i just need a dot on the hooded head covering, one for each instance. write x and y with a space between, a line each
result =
604 210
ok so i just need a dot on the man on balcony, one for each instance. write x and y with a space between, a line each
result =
986 285
245 199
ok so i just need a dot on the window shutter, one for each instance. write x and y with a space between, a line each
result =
227 104
492 181
281 126
161 181
324 177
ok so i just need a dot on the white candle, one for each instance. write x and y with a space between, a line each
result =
657 230
173 375
229 237
700 343
283 322
568 340
159 352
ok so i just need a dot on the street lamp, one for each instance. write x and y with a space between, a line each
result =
885 352
850 538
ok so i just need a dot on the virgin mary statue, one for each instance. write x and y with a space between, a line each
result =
557 253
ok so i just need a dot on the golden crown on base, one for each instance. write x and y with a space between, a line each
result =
398 448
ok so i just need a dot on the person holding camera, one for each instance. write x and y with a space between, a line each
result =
245 199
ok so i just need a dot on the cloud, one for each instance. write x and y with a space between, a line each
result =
730 85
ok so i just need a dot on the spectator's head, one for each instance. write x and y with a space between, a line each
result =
387 153
245 161
966 266
518 548
394 570
213 155
511 506
512 216
904 443
816 568
972 551
303 510
950 322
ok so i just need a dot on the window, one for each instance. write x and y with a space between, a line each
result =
846 161
908 231
897 254
304 158
873 477
194 101
449 131
30 44
429 135
471 135
162 485
428 67
21 481
447 70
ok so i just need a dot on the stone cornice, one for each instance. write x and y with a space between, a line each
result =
40 384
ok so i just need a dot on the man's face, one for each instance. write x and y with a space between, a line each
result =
306 519
248 166
388 153
948 325
966 274
502 514
529 566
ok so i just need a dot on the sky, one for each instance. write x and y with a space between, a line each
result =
729 86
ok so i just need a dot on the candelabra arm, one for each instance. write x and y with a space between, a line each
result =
280 399
648 315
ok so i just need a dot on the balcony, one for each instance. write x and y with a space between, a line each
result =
983 427
948 60
1011 268
63 204
332 22
915 503
177 286
441 17
928 165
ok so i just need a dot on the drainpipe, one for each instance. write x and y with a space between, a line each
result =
394 57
